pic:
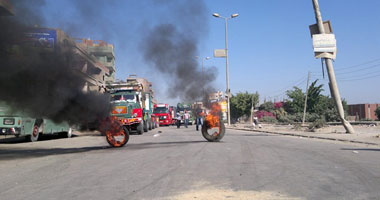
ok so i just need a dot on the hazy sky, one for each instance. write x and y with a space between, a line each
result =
270 48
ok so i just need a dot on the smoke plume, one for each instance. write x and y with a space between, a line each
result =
172 48
41 82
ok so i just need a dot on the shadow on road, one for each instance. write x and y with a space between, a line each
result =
24 153
162 144
360 149
253 135
14 154
15 140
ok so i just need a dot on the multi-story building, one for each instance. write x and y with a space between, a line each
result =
82 62
216 96
363 111
104 52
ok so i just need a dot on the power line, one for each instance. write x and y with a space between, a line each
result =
290 85
358 65
355 66
360 78
284 92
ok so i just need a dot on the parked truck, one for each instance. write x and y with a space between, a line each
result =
164 114
18 124
181 107
132 104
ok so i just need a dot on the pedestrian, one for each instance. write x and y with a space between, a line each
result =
186 118
256 122
178 119
199 119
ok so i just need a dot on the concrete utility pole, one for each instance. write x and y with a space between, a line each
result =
226 51
330 70
252 109
307 91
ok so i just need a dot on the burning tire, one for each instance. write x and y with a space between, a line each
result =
116 134
213 134
119 138
213 128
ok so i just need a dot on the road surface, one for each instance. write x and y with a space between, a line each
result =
180 164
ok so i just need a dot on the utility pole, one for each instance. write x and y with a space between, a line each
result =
226 54
227 81
252 109
307 92
330 70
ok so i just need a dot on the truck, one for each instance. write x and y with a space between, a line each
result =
164 114
19 124
173 110
181 107
131 102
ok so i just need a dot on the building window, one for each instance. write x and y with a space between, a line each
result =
109 59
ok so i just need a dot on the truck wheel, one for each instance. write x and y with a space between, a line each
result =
35 134
67 134
150 125
145 127
213 134
140 128
153 125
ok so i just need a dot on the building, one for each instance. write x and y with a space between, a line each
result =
6 8
82 62
363 111
104 52
216 96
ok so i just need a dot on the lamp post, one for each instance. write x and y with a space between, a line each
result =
227 81
203 76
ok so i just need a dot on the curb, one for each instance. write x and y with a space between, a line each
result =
307 136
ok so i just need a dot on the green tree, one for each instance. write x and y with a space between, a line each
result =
318 105
267 106
314 96
377 112
241 104
296 103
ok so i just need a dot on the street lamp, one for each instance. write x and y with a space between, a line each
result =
203 76
228 87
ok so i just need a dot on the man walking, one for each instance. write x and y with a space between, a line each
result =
199 119
178 117
186 118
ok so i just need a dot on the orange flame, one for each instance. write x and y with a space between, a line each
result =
112 128
213 117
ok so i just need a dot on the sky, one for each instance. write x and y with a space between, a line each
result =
270 47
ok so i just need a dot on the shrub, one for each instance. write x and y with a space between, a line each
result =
285 119
268 119
377 112
267 106
263 113
320 123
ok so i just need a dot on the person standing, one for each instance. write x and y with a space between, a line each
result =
186 118
199 119
178 117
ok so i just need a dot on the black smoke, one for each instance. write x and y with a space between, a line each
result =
171 49
42 82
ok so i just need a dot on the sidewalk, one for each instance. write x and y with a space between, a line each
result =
369 135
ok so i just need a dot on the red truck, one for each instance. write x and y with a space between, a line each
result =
164 114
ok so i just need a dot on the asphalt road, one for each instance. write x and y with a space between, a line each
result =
180 164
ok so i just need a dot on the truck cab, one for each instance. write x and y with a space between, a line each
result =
181 107
164 114
131 105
